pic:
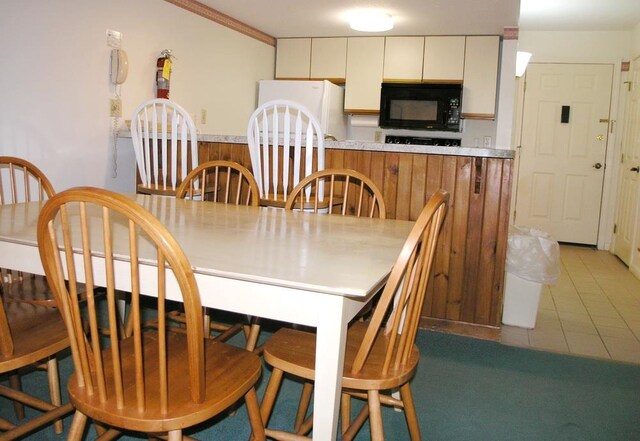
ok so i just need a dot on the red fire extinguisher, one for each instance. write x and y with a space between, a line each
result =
163 74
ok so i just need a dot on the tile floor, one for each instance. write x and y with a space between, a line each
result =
593 310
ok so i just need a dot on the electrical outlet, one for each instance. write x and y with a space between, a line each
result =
487 141
377 137
116 107
203 116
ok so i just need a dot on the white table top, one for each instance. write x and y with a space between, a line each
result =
341 255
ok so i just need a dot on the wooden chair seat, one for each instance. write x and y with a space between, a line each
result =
37 333
28 288
293 351
230 373
155 190
31 335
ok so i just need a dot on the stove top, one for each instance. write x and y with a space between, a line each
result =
416 140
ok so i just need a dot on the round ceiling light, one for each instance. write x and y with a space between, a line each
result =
370 21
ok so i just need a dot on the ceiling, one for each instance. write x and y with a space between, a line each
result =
295 18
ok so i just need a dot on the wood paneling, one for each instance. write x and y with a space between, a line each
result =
468 277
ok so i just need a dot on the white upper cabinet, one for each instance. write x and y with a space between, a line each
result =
403 58
293 58
365 61
443 59
329 59
480 77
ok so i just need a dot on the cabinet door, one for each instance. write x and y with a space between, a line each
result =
480 77
365 59
443 59
329 59
293 58
403 58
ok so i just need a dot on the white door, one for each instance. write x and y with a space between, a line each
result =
627 216
564 142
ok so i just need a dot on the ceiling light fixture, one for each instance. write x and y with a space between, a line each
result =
370 21
522 60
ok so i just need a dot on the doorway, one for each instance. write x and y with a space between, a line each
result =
627 226
565 127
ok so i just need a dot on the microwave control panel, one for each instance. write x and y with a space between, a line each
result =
454 111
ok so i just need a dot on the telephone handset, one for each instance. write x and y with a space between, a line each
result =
119 66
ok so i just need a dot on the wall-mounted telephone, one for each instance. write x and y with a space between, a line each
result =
119 66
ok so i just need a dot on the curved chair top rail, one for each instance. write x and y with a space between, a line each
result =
26 182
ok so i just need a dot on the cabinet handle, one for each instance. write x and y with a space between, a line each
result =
478 180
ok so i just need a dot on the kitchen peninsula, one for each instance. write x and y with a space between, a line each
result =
467 291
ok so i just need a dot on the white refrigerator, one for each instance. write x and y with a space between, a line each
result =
324 100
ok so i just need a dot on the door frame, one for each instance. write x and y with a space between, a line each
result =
613 148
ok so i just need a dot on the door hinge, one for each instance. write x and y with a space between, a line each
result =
621 158
615 228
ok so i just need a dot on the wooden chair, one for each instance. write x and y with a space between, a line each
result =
378 359
31 335
286 144
225 182
154 381
21 181
345 192
165 144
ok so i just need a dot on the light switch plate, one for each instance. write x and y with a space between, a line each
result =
114 38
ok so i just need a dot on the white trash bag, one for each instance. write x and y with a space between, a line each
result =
533 255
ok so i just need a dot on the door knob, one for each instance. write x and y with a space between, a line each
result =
635 169
597 166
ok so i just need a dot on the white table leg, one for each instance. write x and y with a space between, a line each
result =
330 343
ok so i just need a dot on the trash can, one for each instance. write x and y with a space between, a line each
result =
533 260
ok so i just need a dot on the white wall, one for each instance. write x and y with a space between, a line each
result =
635 42
55 86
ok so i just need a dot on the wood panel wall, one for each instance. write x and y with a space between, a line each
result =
466 292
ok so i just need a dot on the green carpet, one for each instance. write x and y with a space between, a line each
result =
469 389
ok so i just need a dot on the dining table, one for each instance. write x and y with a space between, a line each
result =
295 267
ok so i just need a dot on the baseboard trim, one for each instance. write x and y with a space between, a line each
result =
484 332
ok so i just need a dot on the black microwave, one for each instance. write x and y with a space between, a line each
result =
420 106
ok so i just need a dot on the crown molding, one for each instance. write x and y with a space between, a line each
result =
223 19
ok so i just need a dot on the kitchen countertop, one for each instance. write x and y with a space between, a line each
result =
375 146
